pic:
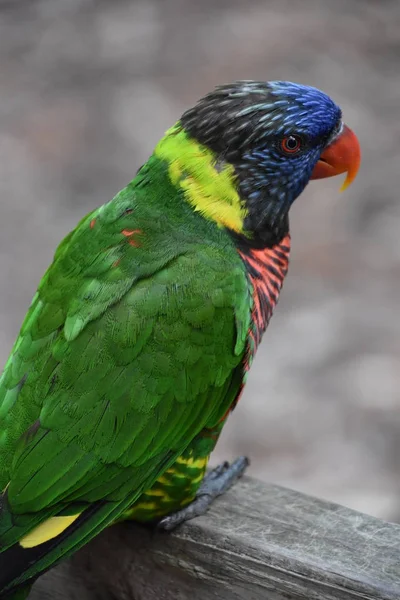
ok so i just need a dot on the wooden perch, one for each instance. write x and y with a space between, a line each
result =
258 542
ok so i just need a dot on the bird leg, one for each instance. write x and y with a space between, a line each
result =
214 484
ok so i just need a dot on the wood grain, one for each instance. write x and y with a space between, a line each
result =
258 542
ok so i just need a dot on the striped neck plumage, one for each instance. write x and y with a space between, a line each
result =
208 184
266 269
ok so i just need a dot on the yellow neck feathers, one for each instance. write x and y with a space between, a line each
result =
209 190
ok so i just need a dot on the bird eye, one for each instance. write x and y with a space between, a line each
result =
291 144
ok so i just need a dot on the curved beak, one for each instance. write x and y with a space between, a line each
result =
343 155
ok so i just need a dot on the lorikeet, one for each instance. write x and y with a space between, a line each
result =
139 339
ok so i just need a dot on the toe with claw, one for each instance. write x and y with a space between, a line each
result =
214 484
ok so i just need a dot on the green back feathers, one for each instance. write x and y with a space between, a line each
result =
111 337
132 345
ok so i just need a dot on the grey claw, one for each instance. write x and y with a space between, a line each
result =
214 484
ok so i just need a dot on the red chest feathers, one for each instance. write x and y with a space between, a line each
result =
267 269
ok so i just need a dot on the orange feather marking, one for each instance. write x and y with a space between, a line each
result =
129 233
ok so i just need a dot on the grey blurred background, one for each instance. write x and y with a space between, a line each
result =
86 90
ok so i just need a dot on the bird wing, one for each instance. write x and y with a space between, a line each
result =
121 360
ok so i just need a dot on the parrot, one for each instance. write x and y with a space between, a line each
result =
139 339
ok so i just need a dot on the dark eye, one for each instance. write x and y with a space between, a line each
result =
291 144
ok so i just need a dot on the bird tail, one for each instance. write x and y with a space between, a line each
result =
19 594
27 550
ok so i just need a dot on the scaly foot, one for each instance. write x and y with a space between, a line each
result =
215 483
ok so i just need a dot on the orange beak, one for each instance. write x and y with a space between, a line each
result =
342 156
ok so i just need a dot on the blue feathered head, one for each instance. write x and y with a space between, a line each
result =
277 135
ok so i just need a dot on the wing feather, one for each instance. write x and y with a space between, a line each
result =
119 389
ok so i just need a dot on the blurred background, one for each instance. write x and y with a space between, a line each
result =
88 87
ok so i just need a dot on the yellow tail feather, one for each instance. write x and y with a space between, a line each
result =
47 531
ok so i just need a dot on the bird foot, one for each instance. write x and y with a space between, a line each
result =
214 484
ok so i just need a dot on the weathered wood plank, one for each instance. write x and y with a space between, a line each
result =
258 542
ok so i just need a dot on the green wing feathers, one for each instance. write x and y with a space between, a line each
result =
132 345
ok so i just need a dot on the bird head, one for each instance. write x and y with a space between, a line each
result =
274 137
